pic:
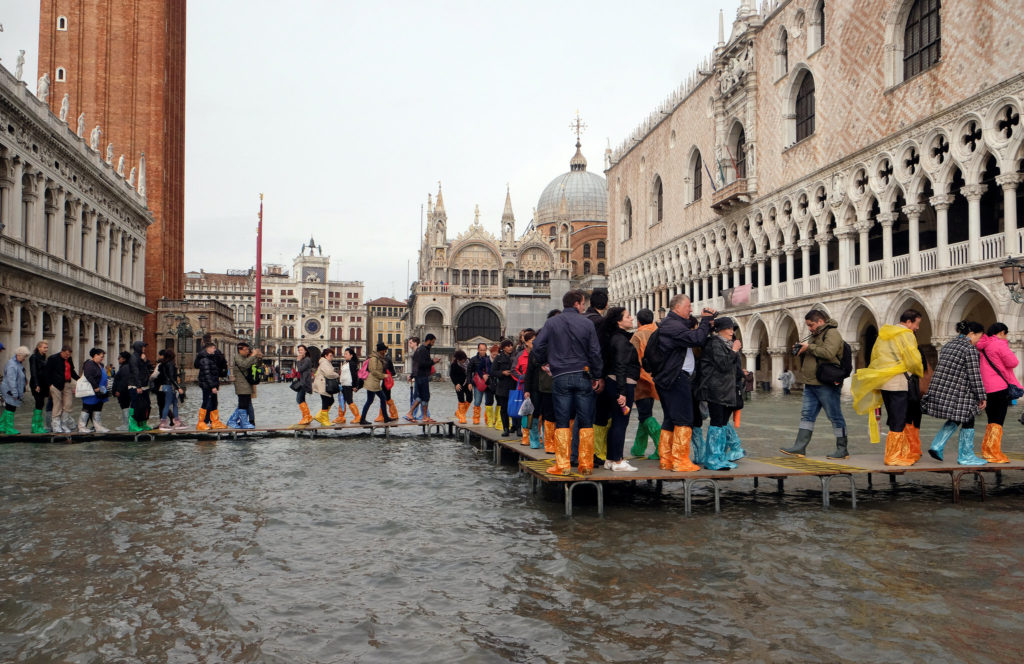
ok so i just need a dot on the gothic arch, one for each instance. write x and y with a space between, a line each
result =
852 315
797 75
894 24
458 318
960 300
785 324
758 331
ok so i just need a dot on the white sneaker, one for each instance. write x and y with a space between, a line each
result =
622 466
608 465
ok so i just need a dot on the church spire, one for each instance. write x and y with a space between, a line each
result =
578 161
507 215
439 203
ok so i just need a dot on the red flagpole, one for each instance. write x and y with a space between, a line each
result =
259 277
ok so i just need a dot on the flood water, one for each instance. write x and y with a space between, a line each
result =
420 550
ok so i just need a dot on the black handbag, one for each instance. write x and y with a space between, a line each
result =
913 387
296 385
332 385
1012 390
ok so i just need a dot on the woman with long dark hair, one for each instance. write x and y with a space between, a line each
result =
957 393
621 373
459 373
501 370
719 387
304 368
997 365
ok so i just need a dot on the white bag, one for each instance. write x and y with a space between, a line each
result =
83 388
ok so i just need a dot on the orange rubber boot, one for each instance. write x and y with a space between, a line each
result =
992 445
665 445
215 422
392 410
913 442
681 451
896 449
476 414
563 443
340 419
202 426
354 409
549 437
586 452
306 417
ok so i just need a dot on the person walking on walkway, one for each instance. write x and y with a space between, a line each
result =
787 379
459 374
171 387
243 362
122 379
997 365
347 376
37 384
568 344
304 382
719 387
648 426
621 373
374 383
13 390
138 387
479 370
324 371
526 424
824 346
209 382
674 381
501 369
886 380
92 405
957 393
61 377
422 367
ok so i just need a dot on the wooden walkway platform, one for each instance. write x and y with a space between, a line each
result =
534 464
440 427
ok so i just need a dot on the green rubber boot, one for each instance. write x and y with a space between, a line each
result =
133 425
654 430
640 441
38 423
7 424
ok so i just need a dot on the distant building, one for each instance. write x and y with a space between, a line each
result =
235 288
184 323
385 322
72 236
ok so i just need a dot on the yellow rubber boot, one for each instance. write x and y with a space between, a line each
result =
488 416
586 452
497 418
323 418
215 422
354 409
549 437
563 443
601 442
681 462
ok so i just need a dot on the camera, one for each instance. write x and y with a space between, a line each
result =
796 348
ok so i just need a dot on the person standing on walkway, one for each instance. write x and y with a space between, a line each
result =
997 365
170 385
886 380
61 377
603 405
122 379
957 393
459 374
346 376
324 371
824 346
504 382
374 383
621 373
422 367
92 405
37 384
12 388
568 344
479 370
719 387
304 382
526 424
787 379
647 425
674 378
209 382
243 362
138 387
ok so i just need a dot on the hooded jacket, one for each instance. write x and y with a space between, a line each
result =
718 373
209 370
138 369
993 350
824 347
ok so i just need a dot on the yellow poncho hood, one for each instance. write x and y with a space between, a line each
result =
895 352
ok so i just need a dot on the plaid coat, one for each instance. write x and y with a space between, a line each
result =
956 388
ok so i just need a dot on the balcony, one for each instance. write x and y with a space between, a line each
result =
731 196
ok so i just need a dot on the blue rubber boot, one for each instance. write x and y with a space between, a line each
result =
243 420
965 450
716 450
233 420
534 432
698 446
939 442
733 447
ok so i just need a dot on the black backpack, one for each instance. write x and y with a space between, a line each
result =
654 357
836 373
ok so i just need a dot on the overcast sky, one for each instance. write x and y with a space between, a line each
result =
345 115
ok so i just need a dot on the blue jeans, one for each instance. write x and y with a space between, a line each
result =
573 393
478 396
170 402
817 397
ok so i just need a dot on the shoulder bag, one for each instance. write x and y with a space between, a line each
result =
1012 390
83 388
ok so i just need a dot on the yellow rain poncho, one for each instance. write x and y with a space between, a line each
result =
894 353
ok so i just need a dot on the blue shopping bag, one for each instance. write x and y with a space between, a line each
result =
515 402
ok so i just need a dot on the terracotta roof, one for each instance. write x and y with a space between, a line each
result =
386 302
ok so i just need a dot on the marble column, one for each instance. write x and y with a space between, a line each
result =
88 254
15 336
886 219
913 213
760 258
973 194
748 271
790 250
1009 183
777 355
774 254
11 212
941 204
736 274
40 312
863 226
823 241
32 208
805 264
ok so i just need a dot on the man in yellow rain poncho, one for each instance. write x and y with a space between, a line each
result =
894 357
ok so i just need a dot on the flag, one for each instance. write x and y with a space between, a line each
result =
710 177
741 294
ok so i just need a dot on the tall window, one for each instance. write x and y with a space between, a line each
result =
741 155
600 248
922 43
698 177
659 201
783 53
819 21
586 250
627 220
805 108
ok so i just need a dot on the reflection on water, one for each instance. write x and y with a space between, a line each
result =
419 550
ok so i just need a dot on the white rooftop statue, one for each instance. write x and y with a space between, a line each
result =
64 103
43 89
20 65
120 166
81 125
94 138
110 153
131 177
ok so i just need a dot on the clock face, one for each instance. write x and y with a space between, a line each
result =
312 326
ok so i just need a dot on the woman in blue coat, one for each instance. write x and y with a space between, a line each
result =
13 388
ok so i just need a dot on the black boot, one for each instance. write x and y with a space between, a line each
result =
840 451
803 437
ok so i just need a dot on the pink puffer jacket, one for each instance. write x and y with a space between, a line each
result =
998 351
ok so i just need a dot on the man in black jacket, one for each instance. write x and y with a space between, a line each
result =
602 404
37 384
673 381
60 375
138 375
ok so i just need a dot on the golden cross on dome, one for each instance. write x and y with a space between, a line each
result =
578 125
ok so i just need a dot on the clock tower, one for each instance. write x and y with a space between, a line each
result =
310 270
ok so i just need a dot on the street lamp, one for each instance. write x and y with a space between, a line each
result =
1013 278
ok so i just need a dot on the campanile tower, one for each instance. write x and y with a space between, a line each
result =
122 65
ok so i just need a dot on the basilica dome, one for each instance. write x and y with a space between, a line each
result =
586 194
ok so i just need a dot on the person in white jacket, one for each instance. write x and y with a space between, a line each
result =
349 367
324 371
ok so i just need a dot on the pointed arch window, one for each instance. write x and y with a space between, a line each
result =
627 220
782 54
818 25
586 250
805 108
922 43
741 155
659 201
698 177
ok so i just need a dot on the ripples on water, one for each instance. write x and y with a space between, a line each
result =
356 550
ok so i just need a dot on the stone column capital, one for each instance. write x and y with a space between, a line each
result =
1009 180
913 210
974 192
886 219
941 201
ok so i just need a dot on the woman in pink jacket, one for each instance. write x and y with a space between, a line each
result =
997 364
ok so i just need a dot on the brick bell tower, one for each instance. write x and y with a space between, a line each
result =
122 65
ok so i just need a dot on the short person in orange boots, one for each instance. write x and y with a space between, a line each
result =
303 384
209 382
459 373
325 372
997 365
374 383
895 360
568 345
479 371
673 380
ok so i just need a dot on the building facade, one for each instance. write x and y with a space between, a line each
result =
184 324
859 158
72 236
235 289
116 70
306 307
385 322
